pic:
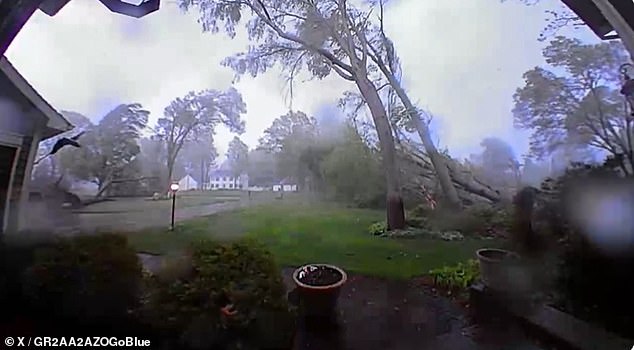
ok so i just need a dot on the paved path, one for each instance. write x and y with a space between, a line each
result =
157 218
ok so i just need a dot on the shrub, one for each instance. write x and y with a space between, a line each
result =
473 220
591 284
457 277
14 260
91 278
243 274
378 228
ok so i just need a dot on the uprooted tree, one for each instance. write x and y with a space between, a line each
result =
321 36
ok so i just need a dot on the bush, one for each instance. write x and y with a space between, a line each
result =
14 260
473 220
378 228
457 277
243 274
591 285
84 279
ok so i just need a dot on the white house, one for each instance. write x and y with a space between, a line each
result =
187 183
286 185
223 177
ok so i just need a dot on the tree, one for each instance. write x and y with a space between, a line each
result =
557 19
196 115
262 168
288 137
292 123
497 163
497 155
238 156
352 171
322 36
49 170
384 55
152 161
577 102
108 148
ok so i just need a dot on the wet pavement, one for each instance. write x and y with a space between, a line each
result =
381 314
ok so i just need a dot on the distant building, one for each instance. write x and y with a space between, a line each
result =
224 178
187 183
285 185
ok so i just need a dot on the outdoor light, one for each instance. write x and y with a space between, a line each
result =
174 188
628 86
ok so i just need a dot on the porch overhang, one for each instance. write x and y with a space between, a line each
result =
15 13
55 122
591 15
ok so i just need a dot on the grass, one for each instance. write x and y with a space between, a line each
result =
307 233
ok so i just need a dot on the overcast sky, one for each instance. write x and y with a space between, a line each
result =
462 59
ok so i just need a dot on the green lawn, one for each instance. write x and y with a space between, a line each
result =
304 233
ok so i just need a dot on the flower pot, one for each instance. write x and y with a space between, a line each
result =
499 269
319 289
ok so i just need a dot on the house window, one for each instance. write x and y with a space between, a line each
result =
217 179
230 185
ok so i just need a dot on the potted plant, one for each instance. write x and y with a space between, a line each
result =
499 269
318 287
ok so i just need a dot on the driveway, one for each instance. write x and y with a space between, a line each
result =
154 218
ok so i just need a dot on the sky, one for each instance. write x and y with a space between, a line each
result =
462 60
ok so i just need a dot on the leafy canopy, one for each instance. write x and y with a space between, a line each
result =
576 100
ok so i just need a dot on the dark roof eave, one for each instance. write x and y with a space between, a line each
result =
593 18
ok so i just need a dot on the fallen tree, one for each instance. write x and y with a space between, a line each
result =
414 161
107 185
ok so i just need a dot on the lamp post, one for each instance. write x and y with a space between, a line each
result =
628 86
174 188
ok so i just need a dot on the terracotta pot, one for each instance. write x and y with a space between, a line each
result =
499 268
319 300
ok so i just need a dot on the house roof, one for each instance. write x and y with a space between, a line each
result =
287 181
591 16
190 176
55 122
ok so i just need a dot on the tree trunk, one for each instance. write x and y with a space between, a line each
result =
202 174
395 209
437 159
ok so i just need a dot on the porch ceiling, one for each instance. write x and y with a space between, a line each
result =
591 16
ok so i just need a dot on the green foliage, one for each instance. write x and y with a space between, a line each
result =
352 172
108 148
84 278
238 156
378 228
457 277
192 118
474 220
575 101
243 274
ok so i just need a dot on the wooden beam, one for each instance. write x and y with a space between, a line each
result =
619 23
